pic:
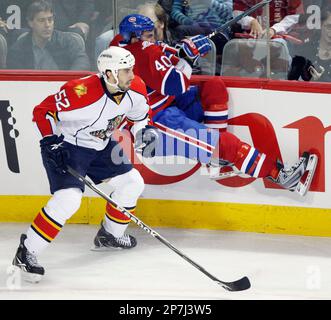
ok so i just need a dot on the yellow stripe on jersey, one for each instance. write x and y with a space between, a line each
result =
53 115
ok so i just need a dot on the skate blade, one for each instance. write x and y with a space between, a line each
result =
31 277
223 175
303 187
105 249
215 173
27 276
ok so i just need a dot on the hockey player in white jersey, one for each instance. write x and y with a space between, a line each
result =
76 125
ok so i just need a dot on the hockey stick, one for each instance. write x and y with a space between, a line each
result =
238 285
287 37
239 17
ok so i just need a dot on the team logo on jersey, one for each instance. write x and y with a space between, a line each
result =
104 134
118 98
80 90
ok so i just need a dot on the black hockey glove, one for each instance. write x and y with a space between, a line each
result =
146 141
54 153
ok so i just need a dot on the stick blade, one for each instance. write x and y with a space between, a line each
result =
238 285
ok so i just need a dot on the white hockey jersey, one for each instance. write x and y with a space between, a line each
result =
87 114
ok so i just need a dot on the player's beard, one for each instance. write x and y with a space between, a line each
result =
126 86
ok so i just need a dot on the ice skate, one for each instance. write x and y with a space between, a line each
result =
298 177
27 262
104 241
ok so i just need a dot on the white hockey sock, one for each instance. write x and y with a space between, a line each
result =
34 243
44 228
128 188
50 219
116 229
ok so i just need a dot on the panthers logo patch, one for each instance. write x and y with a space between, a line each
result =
104 134
80 90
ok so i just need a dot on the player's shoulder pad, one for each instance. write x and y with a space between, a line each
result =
116 41
138 85
85 90
144 46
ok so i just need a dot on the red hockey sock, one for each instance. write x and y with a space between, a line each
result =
117 216
245 158
214 99
116 222
42 231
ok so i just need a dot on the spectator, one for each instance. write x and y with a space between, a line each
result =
316 65
203 17
310 6
200 17
251 57
166 5
157 14
74 16
310 20
46 48
13 13
104 26
11 24
284 14
209 14
3 44
247 58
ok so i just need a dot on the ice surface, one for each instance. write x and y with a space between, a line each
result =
279 267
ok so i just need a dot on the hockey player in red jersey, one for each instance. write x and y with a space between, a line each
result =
76 125
188 114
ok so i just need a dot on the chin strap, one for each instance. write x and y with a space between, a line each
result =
113 85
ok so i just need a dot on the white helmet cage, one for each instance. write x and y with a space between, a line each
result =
114 59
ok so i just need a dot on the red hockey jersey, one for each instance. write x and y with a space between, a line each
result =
279 9
163 79
284 14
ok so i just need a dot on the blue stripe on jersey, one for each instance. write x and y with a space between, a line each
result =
216 118
251 161
173 83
